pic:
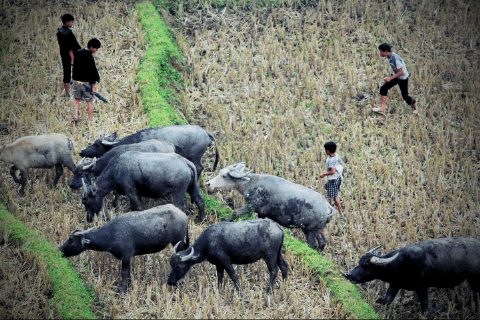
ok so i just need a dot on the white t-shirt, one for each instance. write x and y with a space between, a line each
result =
334 162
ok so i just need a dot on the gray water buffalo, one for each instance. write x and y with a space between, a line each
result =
132 234
190 141
154 175
40 151
288 203
89 169
227 243
441 263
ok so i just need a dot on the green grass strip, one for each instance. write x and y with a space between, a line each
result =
157 67
157 77
70 296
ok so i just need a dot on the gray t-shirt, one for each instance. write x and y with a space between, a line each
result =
396 62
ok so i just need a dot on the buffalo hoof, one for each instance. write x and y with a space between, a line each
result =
121 290
199 219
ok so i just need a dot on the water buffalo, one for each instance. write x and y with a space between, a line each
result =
132 234
154 175
88 169
441 263
285 202
40 151
227 243
190 141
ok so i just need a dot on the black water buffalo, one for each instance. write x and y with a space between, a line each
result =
40 151
190 141
285 202
88 169
154 175
441 263
227 243
132 234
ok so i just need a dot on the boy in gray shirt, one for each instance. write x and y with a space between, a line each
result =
400 76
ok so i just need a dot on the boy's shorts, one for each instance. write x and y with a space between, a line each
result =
80 93
333 187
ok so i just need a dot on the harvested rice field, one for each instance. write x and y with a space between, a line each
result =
273 85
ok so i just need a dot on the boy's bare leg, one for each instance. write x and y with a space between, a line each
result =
66 87
337 204
76 110
90 110
383 103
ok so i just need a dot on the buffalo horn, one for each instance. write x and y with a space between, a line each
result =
84 185
188 256
89 164
176 246
374 249
383 261
108 142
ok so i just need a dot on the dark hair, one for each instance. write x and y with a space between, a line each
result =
94 43
385 47
67 17
330 146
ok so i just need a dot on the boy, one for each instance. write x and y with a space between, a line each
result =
68 45
334 165
85 77
400 76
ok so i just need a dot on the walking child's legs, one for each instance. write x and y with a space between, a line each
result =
337 203
384 93
76 110
90 110
403 84
66 87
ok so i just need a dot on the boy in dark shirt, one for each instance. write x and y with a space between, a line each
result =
85 77
68 45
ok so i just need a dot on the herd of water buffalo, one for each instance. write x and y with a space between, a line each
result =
166 162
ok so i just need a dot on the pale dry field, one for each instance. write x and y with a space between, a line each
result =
275 85
32 103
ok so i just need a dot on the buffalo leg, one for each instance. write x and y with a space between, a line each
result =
198 200
233 276
311 239
136 203
58 173
272 270
282 264
125 280
321 239
220 274
475 286
389 296
423 298
13 173
23 182
179 200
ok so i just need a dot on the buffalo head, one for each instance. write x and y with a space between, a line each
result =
91 199
100 146
75 244
371 267
228 178
181 262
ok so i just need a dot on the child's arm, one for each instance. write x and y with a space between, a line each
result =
331 171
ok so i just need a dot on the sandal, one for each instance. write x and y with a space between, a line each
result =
378 110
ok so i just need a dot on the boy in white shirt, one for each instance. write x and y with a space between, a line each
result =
334 169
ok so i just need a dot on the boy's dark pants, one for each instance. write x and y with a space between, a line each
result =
67 68
403 84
